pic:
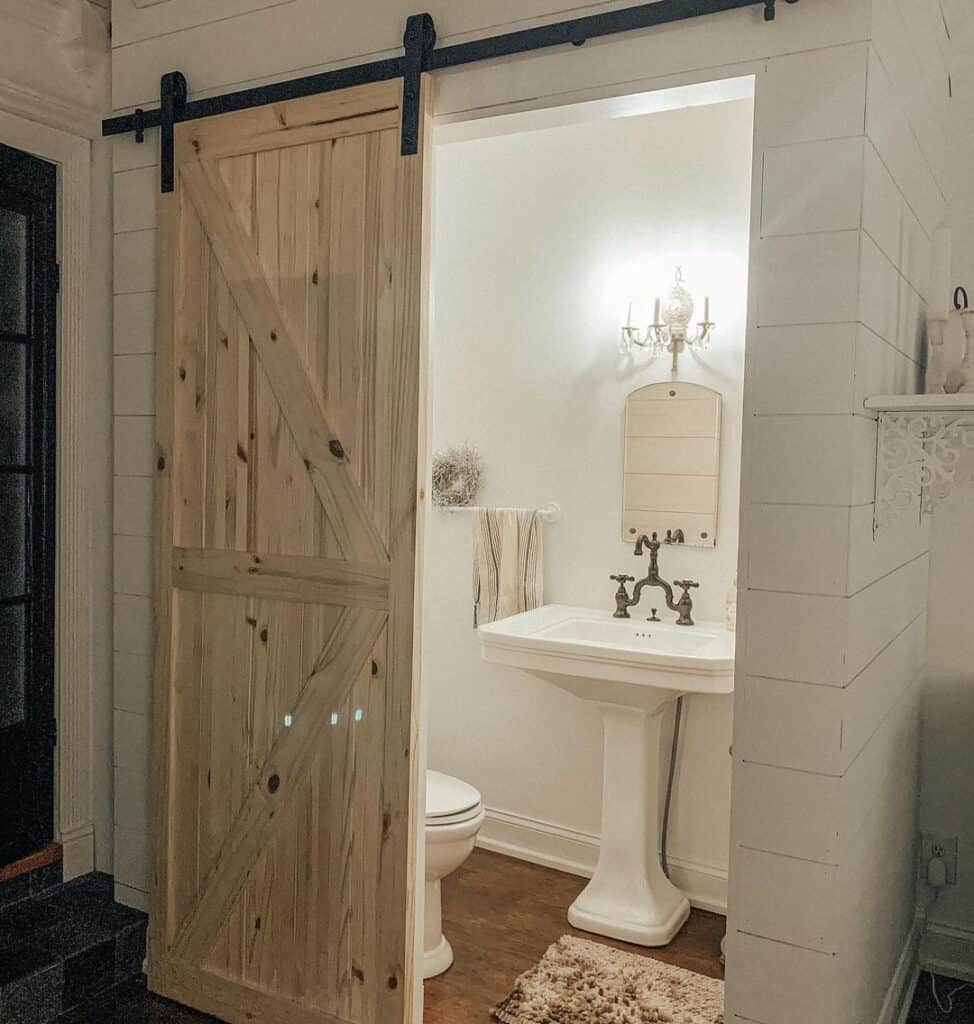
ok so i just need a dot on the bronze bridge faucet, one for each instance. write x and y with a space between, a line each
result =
684 606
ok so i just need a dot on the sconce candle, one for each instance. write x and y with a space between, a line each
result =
672 333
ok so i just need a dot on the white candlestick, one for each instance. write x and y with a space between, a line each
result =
706 310
936 375
940 274
656 312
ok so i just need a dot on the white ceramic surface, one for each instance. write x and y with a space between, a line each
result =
454 814
631 669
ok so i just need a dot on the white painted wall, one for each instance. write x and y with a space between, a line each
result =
835 708
539 242
947 786
849 140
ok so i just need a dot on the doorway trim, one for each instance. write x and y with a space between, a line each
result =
74 599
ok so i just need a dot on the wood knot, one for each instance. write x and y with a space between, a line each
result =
273 335
273 783
393 982
336 448
263 635
375 668
182 373
161 463
358 973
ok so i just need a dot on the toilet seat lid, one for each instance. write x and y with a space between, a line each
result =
447 797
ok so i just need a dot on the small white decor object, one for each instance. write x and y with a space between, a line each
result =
967 321
938 311
457 472
936 375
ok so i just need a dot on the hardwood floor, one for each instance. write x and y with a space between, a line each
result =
500 916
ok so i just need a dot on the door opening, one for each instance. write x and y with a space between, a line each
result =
544 756
28 295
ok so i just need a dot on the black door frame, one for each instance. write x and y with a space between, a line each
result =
27 768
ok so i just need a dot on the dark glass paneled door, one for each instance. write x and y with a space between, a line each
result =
28 310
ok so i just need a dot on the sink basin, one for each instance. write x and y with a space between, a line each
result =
630 662
630 669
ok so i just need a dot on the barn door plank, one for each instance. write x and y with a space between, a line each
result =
317 439
290 423
285 765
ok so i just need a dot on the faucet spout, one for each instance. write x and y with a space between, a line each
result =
682 607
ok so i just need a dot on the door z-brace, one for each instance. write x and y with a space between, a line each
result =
421 56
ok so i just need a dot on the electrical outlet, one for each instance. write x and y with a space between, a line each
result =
939 844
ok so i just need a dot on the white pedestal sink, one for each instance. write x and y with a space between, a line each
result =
631 669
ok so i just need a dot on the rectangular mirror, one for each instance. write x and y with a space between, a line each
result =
671 474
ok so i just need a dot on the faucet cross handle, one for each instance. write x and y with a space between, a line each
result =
685 605
623 600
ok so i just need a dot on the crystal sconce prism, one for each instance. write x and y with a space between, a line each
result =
670 329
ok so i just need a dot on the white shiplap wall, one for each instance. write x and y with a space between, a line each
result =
826 715
832 626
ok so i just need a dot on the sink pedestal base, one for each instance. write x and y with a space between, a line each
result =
629 898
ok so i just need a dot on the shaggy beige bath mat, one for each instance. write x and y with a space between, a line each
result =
579 982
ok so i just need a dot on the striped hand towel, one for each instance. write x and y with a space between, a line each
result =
508 563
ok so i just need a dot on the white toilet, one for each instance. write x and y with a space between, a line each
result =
454 814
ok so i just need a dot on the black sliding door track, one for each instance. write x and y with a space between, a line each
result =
421 55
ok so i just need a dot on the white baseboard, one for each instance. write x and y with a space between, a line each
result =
899 995
948 950
78 852
554 846
130 897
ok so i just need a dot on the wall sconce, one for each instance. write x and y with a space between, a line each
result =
671 334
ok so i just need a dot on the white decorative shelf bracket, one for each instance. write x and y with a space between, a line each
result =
921 439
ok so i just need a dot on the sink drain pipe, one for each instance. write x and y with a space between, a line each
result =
670 776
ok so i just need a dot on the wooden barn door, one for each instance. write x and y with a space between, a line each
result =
290 368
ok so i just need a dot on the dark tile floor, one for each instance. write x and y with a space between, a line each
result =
132 1004
926 1011
61 948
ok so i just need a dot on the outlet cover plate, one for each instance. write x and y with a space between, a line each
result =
934 843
